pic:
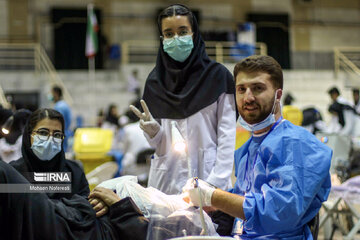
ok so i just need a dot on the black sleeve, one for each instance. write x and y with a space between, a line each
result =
128 220
80 185
19 165
83 186
225 222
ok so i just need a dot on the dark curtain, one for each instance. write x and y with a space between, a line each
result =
273 29
69 38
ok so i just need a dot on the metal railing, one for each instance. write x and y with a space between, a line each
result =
138 51
348 60
30 56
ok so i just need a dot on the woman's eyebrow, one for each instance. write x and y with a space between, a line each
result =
43 128
183 27
167 30
48 129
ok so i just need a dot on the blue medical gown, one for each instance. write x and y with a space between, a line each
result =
285 186
63 108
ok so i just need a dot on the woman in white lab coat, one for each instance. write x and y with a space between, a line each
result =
196 93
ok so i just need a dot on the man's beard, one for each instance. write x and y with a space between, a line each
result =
257 118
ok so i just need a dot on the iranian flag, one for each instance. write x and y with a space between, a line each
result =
91 33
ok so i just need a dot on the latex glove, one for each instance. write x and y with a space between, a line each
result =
147 123
195 188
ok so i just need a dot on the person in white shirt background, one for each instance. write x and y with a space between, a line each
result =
356 98
344 120
10 143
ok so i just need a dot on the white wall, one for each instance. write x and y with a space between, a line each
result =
326 38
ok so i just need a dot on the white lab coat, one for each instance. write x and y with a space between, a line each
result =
210 136
357 107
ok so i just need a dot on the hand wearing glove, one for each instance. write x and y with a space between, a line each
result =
147 123
194 188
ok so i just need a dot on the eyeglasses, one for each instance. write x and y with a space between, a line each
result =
44 135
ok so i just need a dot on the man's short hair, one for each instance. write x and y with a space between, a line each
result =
334 90
356 91
261 64
57 90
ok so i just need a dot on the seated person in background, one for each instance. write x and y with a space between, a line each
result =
133 144
111 122
100 118
112 119
10 143
312 120
282 171
290 112
344 119
356 99
42 151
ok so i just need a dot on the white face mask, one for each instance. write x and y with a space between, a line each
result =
269 120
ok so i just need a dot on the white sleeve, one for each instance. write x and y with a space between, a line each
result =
226 130
153 142
349 118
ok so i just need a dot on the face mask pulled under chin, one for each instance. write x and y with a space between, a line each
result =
269 120
45 150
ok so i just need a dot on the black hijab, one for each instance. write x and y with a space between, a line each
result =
33 163
177 90
20 118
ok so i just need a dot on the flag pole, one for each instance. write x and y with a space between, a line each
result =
91 49
91 76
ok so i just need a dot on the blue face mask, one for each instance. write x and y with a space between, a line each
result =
45 150
50 97
178 48
269 120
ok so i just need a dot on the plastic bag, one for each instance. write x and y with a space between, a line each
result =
149 200
169 215
183 222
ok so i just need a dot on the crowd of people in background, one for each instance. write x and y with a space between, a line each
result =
130 140
345 118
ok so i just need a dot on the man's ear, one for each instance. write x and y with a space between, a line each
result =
278 94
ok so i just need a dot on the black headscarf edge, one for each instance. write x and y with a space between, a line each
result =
33 162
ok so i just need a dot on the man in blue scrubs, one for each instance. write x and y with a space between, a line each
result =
62 107
282 171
